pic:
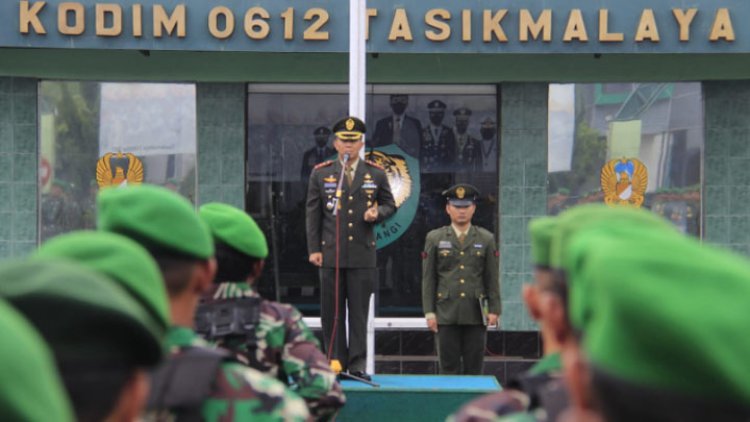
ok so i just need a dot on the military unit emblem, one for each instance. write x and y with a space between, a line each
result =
624 182
398 174
350 124
119 169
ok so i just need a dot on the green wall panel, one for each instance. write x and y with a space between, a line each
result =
221 143
523 190
18 166
727 165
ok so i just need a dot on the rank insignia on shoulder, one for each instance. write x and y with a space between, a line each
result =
374 164
323 164
497 254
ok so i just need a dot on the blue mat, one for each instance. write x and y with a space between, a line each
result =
412 397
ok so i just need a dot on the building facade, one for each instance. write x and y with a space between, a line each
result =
541 108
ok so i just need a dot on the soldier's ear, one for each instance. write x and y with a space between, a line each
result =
530 296
132 399
204 274
257 270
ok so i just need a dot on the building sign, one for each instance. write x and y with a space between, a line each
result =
440 26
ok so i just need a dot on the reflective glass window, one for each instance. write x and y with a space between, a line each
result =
95 134
636 144
427 138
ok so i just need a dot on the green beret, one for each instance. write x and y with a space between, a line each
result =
84 317
121 259
663 311
234 227
155 217
582 216
31 389
540 231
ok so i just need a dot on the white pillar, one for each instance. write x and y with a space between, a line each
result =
357 82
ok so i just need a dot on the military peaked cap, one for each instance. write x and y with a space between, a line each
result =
436 105
461 195
349 128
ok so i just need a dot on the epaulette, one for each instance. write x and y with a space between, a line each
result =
323 164
374 164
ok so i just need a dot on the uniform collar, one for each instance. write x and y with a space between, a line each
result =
549 363
179 337
458 233
354 164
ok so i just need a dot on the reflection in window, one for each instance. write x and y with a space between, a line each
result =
637 144
427 138
95 135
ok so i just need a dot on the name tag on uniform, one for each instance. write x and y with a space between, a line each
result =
369 185
478 245
329 185
444 244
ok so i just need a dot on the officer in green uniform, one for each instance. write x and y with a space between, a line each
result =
30 388
468 148
278 342
365 200
197 381
102 339
661 321
539 391
460 285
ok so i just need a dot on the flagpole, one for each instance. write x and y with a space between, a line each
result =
357 94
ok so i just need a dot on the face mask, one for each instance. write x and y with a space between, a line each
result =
321 142
398 108
436 118
487 133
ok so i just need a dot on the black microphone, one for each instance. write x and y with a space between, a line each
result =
338 188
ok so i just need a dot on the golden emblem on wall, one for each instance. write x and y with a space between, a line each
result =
397 172
624 182
119 169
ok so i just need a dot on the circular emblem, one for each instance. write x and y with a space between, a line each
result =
460 192
119 169
349 124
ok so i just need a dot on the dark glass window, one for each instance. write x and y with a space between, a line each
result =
427 137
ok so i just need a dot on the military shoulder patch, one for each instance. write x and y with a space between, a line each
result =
323 164
374 164
497 254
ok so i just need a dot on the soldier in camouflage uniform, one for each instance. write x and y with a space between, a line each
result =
196 382
281 344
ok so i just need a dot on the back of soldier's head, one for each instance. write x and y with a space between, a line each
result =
654 311
239 241
163 222
30 388
99 335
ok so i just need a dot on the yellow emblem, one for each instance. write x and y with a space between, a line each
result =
330 179
119 169
624 182
349 124
460 192
397 171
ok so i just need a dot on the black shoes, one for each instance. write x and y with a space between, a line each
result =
360 374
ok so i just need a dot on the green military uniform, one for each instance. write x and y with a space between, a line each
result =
663 320
97 332
282 346
167 225
456 276
356 244
30 389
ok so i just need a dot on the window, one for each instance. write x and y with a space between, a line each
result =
94 135
432 135
642 148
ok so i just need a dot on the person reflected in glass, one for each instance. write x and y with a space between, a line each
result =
399 128
439 142
53 209
488 131
468 149
317 154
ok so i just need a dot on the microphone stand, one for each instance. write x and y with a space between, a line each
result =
334 363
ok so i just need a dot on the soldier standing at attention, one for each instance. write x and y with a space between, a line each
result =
278 343
317 154
219 389
460 285
468 149
365 200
